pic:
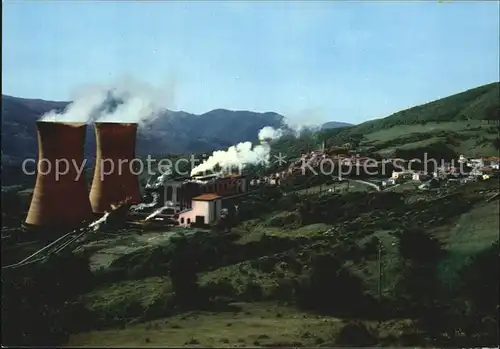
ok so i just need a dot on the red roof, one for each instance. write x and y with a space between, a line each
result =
207 197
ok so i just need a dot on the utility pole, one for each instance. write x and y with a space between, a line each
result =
379 257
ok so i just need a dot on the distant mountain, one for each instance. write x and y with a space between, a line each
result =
334 124
173 132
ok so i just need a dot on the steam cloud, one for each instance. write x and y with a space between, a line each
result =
169 204
125 100
159 181
143 206
241 154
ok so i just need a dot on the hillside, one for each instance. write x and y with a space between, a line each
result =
464 123
289 274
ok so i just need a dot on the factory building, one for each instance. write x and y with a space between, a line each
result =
60 198
205 209
181 192
199 199
114 180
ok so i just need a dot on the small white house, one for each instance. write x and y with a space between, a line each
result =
205 209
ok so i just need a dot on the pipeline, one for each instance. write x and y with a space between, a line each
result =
52 248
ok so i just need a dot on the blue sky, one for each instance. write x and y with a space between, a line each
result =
313 61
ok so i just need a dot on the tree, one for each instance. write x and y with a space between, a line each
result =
419 282
479 288
331 288
183 268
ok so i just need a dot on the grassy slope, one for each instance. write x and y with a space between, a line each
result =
473 232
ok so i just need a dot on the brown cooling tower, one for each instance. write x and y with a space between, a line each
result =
60 200
114 181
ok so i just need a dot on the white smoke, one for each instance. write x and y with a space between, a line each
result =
125 100
161 179
96 225
269 133
242 154
168 205
142 206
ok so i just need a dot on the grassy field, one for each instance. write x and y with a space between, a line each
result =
105 248
473 137
144 292
473 232
405 130
247 325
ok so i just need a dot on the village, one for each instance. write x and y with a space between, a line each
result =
386 172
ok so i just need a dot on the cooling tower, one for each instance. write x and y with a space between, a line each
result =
60 199
114 180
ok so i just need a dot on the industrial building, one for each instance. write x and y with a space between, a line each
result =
198 199
205 209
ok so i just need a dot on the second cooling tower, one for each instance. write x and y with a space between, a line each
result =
114 178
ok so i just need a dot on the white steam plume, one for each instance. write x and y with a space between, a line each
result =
269 133
161 179
125 100
142 206
241 154
168 205
96 225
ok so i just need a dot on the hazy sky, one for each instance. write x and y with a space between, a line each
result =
345 60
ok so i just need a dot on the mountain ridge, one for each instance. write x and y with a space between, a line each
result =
169 133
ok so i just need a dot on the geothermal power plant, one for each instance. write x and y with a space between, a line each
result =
62 201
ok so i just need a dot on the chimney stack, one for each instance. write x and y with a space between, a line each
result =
60 198
114 182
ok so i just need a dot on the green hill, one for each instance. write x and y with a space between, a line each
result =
464 123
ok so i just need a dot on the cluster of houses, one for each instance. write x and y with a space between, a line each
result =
313 159
465 171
